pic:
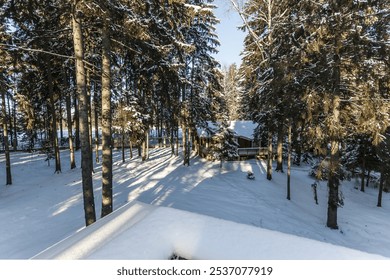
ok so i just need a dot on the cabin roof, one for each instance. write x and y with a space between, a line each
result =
244 129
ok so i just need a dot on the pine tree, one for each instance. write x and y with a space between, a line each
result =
227 147
232 92
6 59
334 51
264 70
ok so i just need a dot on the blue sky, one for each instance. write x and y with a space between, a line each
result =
231 39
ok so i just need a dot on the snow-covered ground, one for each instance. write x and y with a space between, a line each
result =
42 208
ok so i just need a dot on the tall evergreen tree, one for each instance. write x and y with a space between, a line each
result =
107 203
86 152
6 59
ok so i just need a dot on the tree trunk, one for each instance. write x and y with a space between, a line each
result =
143 150
172 142
86 167
131 147
60 120
9 118
6 144
106 122
123 144
177 142
363 172
15 142
145 146
279 149
334 132
381 182
77 120
54 119
185 146
333 184
270 155
289 162
96 116
69 125
147 143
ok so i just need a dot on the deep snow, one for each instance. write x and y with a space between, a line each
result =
41 208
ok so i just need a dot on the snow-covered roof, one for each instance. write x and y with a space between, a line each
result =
243 129
142 231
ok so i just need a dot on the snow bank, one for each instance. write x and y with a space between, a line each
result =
141 231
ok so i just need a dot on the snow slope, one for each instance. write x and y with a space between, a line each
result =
140 231
42 208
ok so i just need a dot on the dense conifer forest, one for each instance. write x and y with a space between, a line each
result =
89 74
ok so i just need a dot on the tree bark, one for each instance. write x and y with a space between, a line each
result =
333 184
381 182
6 144
289 162
96 117
334 131
270 155
54 118
185 146
107 203
131 147
86 166
123 144
279 149
363 172
15 142
69 125
77 120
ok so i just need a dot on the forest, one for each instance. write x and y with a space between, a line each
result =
84 74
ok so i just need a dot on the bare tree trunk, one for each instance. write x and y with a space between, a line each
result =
60 120
123 144
381 182
107 203
333 130
144 150
69 124
363 172
131 147
177 142
289 162
54 119
77 120
96 116
145 146
10 125
15 142
172 141
270 156
89 88
185 146
6 144
279 149
86 167
333 184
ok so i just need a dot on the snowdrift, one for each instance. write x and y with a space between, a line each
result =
141 231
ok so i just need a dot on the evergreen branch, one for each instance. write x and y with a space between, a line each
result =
36 50
126 46
251 32
44 52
